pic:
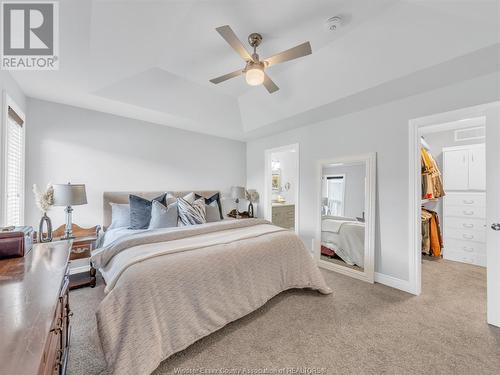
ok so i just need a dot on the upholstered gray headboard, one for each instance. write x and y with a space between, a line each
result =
122 197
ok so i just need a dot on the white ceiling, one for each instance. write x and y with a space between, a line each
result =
152 60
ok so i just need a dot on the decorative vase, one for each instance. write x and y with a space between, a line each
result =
45 220
250 209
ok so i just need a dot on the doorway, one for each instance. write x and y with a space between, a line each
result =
449 184
282 186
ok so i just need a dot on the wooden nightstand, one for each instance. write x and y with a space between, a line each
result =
84 242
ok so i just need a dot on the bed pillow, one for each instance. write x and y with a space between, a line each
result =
213 208
140 211
120 215
171 198
163 217
190 214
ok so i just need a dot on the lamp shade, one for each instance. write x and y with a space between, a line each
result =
69 194
237 192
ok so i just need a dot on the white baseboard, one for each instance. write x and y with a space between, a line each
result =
394 282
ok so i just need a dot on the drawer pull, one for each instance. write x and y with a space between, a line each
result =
468 236
468 249
468 213
468 225
471 201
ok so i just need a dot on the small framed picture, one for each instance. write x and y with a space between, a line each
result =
276 180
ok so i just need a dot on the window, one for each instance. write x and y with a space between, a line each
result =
335 187
14 167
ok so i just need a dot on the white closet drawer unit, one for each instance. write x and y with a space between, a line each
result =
464 223
466 234
465 212
465 199
461 256
451 244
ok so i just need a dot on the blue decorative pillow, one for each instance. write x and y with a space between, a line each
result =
163 217
140 211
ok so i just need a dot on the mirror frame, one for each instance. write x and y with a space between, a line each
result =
368 274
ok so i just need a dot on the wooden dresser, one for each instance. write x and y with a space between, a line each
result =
34 311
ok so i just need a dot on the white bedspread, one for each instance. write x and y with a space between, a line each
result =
348 243
164 295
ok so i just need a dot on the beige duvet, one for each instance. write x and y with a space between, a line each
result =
168 289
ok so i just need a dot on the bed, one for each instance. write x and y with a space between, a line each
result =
167 288
343 237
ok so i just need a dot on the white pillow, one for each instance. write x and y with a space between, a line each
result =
120 215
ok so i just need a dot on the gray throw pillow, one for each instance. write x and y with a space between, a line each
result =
120 215
212 212
214 200
163 217
140 211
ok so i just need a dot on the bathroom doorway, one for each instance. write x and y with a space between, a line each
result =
282 186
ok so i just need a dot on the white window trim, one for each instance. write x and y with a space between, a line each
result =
6 103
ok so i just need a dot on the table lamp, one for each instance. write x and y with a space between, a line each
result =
69 195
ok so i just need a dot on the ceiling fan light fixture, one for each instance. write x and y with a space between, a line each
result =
255 75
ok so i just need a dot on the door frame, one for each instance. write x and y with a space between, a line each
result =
432 123
368 274
268 193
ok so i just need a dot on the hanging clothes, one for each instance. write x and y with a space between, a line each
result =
432 241
432 184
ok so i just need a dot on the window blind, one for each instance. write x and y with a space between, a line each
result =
14 168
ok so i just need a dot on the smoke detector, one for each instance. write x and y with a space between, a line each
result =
333 23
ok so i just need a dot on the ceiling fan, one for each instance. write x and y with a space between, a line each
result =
254 69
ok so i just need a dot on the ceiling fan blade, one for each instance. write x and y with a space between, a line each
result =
269 84
229 36
303 49
227 76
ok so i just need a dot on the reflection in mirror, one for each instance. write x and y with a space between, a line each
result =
343 214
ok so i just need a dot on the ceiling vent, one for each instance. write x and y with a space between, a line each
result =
468 134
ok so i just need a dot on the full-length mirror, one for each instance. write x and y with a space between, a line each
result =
345 234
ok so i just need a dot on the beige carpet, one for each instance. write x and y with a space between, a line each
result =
360 329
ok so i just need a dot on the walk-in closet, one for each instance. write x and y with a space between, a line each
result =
453 193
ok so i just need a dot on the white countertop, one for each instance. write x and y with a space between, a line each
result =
276 204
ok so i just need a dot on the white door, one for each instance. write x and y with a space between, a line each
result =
477 168
493 212
455 166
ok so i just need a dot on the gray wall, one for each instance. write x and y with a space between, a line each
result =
354 199
111 153
11 87
382 129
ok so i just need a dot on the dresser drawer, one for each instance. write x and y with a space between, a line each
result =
464 223
465 199
466 234
464 257
81 250
465 212
452 244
